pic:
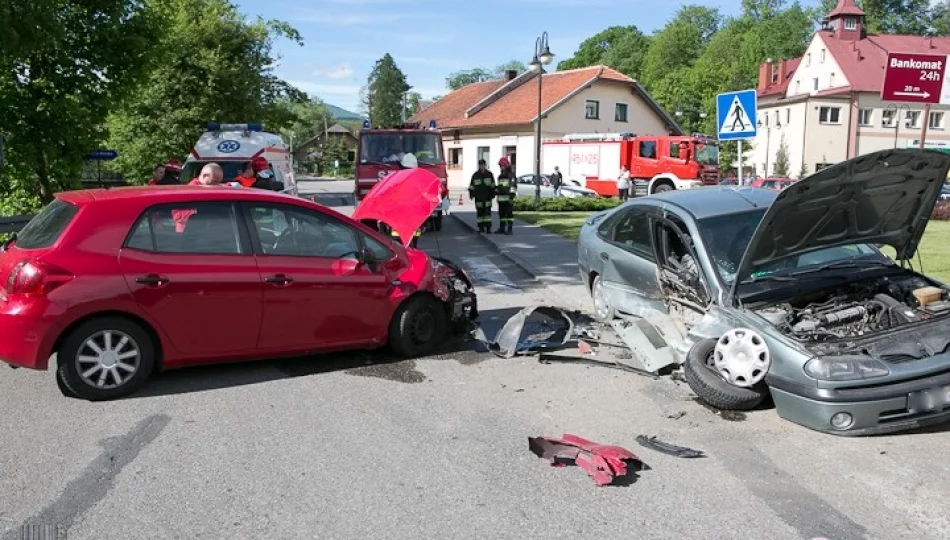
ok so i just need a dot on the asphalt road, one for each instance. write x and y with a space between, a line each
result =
359 446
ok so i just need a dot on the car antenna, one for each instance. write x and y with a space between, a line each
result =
748 200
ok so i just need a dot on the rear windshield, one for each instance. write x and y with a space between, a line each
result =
389 147
43 230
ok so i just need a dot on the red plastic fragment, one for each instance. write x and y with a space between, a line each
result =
603 463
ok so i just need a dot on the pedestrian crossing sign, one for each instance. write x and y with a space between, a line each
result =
736 114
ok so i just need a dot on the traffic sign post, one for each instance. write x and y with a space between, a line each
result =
916 78
735 115
99 156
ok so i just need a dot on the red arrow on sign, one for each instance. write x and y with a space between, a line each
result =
916 78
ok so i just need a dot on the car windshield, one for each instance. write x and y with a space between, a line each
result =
707 154
390 147
728 236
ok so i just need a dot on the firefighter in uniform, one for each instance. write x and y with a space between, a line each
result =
415 237
505 194
482 189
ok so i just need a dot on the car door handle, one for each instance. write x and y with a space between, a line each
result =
152 279
605 257
279 279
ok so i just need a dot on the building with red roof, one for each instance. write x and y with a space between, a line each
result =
826 105
491 119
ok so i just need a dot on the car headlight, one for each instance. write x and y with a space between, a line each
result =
845 368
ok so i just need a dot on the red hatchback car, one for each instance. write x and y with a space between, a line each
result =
122 282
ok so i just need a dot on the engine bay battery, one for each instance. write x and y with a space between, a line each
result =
938 307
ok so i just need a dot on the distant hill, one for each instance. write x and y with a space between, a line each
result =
343 115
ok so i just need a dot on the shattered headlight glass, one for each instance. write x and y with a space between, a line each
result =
845 368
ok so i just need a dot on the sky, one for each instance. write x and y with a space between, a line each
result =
429 39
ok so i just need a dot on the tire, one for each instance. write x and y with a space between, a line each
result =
663 188
103 332
607 313
418 327
437 222
712 388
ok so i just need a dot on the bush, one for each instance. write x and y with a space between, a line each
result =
941 211
563 204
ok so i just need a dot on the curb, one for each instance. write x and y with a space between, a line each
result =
516 259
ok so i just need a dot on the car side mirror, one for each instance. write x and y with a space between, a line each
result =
367 257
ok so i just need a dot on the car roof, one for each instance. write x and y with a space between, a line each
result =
158 194
706 202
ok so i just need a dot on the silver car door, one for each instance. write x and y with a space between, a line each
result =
629 267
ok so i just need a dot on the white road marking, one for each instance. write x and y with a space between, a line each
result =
488 275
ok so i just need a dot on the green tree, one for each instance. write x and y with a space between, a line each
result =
803 172
209 65
940 18
309 118
64 63
759 10
619 47
781 165
679 43
384 92
464 78
511 65
412 103
334 151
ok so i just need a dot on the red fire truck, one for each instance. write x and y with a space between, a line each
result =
656 163
379 152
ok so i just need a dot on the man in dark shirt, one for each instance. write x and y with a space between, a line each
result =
482 190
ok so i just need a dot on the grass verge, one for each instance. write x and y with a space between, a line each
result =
566 224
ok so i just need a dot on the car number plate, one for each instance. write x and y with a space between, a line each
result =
929 400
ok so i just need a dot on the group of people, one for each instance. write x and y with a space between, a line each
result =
483 189
253 174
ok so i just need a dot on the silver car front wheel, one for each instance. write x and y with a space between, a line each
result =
603 310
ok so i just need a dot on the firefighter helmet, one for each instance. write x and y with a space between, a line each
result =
504 163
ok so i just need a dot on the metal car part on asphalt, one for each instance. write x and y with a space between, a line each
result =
670 449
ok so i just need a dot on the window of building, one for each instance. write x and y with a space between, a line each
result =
593 110
913 119
648 149
935 121
455 158
887 118
509 152
822 59
850 23
774 74
798 86
620 112
864 117
778 119
814 84
484 153
808 59
829 115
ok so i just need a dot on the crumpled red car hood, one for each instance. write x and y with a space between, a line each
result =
403 200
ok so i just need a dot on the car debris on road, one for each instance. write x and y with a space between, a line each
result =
669 449
605 464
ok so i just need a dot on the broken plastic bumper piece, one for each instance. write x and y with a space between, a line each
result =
603 463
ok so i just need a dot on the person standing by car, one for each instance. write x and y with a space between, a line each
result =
623 184
482 190
504 193
556 181
158 174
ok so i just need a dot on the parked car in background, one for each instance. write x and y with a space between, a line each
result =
729 182
777 184
758 292
569 188
945 193
123 282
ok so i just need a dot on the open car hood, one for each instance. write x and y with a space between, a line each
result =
403 200
884 197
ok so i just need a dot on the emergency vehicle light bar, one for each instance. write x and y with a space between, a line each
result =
213 126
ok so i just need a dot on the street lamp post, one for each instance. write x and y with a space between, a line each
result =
542 57
679 114
897 118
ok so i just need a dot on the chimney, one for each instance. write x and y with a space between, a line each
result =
782 70
765 74
511 74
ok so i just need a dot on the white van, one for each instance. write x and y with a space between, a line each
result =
232 145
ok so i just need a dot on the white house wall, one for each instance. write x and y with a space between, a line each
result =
570 117
876 137
828 72
765 147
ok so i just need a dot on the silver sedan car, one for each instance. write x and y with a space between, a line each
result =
569 188
757 292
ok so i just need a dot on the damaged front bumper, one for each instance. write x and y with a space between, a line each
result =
456 289
869 410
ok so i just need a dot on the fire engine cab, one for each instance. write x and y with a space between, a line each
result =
380 151
231 145
657 163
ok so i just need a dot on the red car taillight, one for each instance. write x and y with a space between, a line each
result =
35 278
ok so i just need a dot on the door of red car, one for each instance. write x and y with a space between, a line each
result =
191 267
316 292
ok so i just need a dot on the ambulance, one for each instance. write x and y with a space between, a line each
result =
231 145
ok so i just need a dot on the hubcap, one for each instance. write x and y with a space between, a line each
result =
741 357
601 305
108 359
423 327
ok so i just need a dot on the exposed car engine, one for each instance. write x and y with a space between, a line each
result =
859 309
